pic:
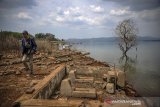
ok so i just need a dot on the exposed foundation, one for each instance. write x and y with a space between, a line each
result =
76 88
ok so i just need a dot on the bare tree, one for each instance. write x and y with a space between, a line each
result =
127 33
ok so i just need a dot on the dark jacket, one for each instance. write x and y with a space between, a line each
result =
28 45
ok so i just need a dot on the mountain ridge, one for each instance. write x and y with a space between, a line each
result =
110 39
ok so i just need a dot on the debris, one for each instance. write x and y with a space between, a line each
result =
21 68
18 72
34 82
105 77
1 73
104 85
110 88
30 91
55 96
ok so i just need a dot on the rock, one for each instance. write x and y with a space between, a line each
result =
71 64
9 72
84 104
12 71
122 92
66 89
16 62
105 77
104 85
43 66
21 68
7 60
30 91
49 63
38 64
33 82
5 73
18 72
120 78
111 73
27 75
99 93
57 92
130 92
110 88
72 76
4 64
129 86
98 84
55 96
1 73
112 77
84 92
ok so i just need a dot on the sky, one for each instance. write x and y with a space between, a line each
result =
79 18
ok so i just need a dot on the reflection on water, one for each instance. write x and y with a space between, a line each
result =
141 66
128 64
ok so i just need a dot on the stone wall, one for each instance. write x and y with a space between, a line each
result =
51 85
44 88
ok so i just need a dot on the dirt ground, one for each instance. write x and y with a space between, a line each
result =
15 80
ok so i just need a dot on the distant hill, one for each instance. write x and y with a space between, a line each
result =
10 33
109 39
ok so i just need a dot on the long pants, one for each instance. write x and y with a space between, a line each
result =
28 62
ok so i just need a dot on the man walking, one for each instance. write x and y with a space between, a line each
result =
28 49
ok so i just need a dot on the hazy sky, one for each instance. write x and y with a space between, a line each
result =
79 18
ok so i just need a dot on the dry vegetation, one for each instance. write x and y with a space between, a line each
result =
44 45
9 44
12 45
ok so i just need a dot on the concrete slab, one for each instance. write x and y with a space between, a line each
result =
66 89
85 80
61 103
72 76
84 92
120 78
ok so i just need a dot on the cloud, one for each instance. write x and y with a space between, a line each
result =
138 5
96 9
74 16
87 17
60 19
149 15
8 4
24 15
87 20
119 12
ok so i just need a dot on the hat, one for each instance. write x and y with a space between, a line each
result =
25 32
